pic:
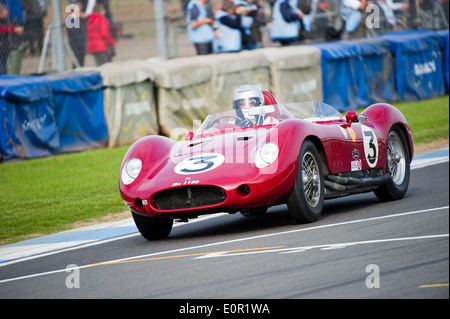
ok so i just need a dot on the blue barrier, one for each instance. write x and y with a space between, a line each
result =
444 43
340 74
28 127
78 102
377 71
357 73
418 65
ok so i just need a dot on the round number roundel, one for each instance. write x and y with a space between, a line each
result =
199 163
370 146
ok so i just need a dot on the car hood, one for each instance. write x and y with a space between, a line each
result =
227 144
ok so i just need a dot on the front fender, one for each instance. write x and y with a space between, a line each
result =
291 135
151 150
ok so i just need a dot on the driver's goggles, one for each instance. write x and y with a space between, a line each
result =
251 102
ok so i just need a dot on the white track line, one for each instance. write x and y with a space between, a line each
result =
430 210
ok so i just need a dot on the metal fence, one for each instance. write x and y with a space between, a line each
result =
134 29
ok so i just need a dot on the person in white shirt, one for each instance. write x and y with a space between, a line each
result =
351 13
388 7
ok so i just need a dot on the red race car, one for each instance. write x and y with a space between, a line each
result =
279 158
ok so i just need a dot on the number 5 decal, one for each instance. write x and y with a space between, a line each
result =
199 163
370 146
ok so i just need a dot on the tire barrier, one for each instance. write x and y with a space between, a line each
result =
119 102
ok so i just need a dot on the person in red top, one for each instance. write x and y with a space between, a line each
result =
100 41
6 29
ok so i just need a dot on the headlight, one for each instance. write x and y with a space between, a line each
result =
131 170
266 155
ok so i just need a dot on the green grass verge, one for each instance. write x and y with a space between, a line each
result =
429 119
47 195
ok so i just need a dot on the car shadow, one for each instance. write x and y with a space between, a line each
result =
277 218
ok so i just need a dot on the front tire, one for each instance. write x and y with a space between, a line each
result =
397 164
305 200
153 228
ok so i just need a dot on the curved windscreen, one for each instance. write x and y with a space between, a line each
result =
228 121
313 111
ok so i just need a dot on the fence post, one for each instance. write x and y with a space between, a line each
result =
160 28
58 36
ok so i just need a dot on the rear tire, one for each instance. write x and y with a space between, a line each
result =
305 200
153 228
397 164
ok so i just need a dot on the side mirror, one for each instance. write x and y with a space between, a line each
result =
351 116
189 136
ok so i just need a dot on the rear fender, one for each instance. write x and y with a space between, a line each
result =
384 116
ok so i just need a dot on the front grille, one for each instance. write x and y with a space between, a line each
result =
188 197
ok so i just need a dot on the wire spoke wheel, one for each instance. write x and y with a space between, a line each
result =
395 158
311 180
397 165
305 200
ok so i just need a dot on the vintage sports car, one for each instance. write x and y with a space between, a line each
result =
299 161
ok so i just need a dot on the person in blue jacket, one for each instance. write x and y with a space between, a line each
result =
199 25
228 28
286 18
7 30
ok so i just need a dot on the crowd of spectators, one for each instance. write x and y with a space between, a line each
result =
214 26
233 25
94 34
22 31
21 28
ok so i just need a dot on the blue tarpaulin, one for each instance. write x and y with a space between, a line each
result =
340 74
357 73
28 127
444 43
377 71
418 65
78 102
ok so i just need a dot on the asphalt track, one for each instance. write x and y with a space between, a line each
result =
360 248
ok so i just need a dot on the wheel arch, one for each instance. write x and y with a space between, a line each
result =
320 149
379 113
407 132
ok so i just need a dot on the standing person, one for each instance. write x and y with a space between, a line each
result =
199 25
260 21
250 23
16 16
100 41
6 30
351 13
389 7
35 12
229 28
285 22
78 35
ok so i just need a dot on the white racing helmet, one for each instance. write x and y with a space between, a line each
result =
246 97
